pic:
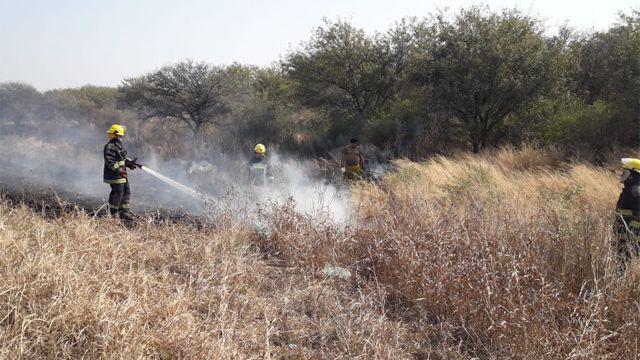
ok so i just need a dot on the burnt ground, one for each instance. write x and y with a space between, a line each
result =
54 200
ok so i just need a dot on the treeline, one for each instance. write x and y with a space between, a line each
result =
469 80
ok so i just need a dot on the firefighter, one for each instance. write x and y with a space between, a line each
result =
627 222
260 166
115 172
352 161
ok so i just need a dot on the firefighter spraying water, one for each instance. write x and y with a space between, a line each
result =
116 163
260 185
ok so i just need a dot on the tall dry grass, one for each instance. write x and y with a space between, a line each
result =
507 255
80 287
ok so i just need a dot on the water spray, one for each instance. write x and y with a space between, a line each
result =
187 190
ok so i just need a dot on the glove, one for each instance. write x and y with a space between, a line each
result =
131 164
122 172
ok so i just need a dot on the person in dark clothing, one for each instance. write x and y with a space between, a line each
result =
115 172
627 222
260 167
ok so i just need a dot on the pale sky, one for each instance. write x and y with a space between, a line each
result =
69 43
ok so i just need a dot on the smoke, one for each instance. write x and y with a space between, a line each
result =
64 161
68 160
312 195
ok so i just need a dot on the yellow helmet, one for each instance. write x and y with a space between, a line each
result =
260 149
116 129
631 164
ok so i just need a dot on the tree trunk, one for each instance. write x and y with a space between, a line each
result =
475 134
196 129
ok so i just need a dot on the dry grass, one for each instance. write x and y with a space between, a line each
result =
79 287
508 255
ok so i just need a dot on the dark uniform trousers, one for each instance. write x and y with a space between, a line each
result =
119 198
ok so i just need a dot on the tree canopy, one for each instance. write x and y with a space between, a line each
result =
191 93
341 68
484 66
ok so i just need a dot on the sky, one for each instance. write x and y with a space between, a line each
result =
69 43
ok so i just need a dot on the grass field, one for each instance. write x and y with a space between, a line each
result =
505 255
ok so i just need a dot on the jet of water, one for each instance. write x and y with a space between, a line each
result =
196 194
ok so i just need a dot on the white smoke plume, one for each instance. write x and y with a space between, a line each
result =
68 161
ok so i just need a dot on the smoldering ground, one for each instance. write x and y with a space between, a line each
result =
66 162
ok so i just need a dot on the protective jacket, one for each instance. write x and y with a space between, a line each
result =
627 222
628 206
351 155
352 162
115 158
260 168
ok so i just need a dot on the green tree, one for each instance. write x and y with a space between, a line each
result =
610 72
259 108
343 70
95 105
483 66
191 93
20 103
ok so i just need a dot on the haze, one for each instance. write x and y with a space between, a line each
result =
72 43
